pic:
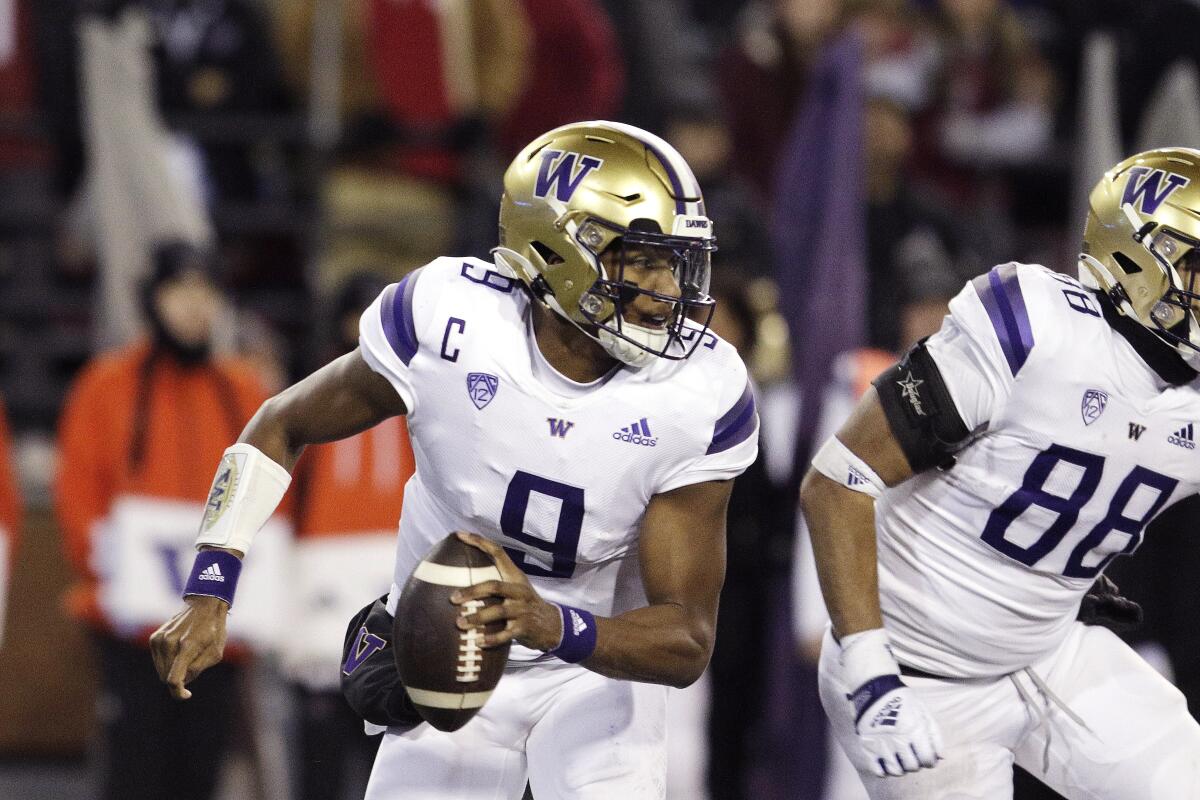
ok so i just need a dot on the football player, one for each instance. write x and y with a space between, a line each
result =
569 407
980 488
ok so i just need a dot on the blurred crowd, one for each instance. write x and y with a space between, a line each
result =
223 185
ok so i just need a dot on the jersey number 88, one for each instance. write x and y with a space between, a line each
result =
1033 493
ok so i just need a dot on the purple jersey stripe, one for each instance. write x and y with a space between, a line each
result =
396 314
736 425
1000 293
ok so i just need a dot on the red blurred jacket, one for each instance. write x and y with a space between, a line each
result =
354 485
132 425
10 497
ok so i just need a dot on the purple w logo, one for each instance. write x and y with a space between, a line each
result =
560 172
559 427
366 644
1143 188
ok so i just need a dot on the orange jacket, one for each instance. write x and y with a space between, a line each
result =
353 485
136 423
10 498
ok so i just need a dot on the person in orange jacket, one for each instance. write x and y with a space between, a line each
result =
348 495
10 520
140 428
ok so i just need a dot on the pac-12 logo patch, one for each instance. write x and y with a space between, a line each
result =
482 388
1093 405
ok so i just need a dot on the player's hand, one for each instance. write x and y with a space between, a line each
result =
189 643
528 618
1105 605
896 731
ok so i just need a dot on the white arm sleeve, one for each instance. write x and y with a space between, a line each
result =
245 493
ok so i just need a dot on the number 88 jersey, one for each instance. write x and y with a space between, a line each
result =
1082 430
558 473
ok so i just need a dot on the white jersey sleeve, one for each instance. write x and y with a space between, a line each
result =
732 445
983 343
393 329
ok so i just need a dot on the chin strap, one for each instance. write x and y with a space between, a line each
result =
512 264
629 353
1095 275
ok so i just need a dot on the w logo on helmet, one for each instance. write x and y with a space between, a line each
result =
562 172
1144 188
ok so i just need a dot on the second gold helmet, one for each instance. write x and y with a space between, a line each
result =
1141 243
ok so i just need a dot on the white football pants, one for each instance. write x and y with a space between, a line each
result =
574 734
1131 737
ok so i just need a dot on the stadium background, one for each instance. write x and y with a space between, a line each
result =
861 158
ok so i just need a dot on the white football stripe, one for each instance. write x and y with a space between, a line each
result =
454 576
431 699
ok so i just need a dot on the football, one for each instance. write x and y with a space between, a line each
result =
446 673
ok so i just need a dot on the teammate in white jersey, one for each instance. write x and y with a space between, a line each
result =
961 515
569 407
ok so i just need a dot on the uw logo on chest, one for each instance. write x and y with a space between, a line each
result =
559 427
1136 431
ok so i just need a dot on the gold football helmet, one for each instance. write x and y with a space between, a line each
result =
581 189
1141 243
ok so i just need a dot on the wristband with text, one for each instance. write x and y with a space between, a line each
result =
579 635
214 574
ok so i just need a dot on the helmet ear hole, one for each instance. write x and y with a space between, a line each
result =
1126 263
548 255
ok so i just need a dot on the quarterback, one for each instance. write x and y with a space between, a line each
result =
962 513
569 408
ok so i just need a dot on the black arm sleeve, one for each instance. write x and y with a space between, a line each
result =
920 411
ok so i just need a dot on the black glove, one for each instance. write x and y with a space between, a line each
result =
1104 605
370 680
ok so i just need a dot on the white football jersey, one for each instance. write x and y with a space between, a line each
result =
557 472
1078 444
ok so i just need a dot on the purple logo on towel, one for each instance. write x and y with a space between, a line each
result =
366 644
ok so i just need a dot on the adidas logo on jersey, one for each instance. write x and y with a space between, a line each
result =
1184 437
637 433
212 573
578 626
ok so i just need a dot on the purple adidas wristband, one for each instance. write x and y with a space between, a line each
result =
214 574
579 635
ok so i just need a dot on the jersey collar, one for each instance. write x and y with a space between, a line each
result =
1157 354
